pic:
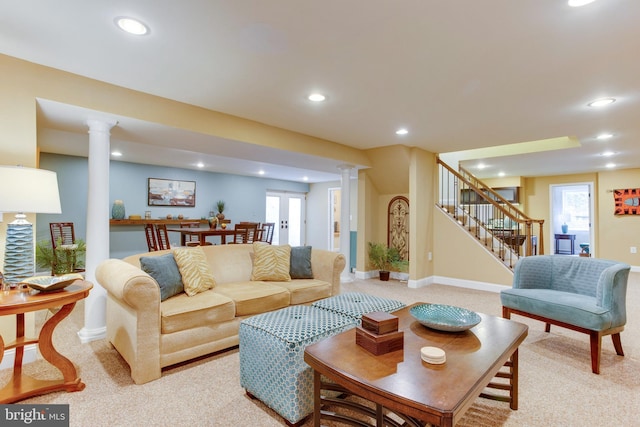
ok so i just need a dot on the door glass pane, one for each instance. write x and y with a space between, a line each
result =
273 215
295 221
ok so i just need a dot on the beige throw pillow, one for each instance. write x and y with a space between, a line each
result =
194 268
271 262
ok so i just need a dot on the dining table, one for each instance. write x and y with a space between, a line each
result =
203 233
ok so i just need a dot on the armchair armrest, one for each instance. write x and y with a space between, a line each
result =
612 290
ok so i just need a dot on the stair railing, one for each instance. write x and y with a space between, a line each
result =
504 229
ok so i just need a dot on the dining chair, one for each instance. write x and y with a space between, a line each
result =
162 237
266 235
245 232
150 233
62 233
190 239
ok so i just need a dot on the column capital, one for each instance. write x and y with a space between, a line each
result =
101 125
344 167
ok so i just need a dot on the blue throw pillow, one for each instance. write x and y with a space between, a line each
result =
164 269
300 267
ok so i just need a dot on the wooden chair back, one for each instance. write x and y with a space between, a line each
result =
162 237
150 233
245 232
62 233
191 240
266 234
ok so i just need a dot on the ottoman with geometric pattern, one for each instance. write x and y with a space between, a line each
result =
272 366
355 304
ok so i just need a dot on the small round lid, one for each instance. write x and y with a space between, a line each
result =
433 355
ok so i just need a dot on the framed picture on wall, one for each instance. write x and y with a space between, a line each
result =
171 192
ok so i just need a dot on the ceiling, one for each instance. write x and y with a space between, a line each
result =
457 74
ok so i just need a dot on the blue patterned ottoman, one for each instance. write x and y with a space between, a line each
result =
272 366
355 304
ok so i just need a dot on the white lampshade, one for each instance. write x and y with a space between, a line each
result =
28 190
24 190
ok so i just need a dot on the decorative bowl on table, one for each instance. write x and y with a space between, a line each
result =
51 283
446 318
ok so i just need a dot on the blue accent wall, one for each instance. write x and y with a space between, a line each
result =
244 197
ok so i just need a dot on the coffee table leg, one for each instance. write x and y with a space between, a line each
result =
514 380
316 398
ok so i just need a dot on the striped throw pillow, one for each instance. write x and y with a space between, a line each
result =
271 262
194 268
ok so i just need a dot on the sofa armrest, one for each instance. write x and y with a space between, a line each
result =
133 317
129 284
328 266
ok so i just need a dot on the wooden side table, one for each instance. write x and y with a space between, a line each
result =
19 302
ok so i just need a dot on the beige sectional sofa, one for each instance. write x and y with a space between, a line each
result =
151 334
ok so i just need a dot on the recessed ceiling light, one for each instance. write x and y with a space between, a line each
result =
131 26
501 174
601 102
481 166
116 153
610 165
200 165
260 172
305 178
402 131
608 153
578 3
604 136
316 97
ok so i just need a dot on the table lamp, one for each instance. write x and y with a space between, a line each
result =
24 190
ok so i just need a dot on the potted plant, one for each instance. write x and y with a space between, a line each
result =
66 259
385 259
220 207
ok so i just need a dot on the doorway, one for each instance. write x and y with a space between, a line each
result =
334 219
287 211
571 219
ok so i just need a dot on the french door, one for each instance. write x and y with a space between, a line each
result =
287 211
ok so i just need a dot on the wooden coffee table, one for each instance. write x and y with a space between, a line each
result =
414 390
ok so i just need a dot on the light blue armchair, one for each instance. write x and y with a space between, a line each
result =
583 294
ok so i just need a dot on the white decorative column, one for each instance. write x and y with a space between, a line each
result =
345 220
95 305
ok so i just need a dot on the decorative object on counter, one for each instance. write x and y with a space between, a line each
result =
220 207
117 210
565 228
25 190
135 217
147 214
213 222
49 283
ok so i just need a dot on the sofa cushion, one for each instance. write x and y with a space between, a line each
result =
195 271
303 291
300 265
254 297
165 271
204 309
271 262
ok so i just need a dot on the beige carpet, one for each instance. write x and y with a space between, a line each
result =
556 383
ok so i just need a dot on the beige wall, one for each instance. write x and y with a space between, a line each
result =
457 254
617 233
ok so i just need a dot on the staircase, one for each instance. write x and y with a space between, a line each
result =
498 225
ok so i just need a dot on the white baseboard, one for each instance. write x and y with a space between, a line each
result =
30 355
87 335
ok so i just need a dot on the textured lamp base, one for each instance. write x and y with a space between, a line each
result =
18 255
